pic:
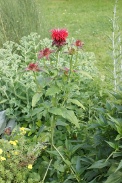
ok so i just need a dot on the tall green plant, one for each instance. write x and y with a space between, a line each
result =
116 49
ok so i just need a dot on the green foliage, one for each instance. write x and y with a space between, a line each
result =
56 103
17 156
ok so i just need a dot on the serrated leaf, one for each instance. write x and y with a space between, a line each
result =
59 167
67 114
56 111
99 164
76 102
70 116
52 91
35 99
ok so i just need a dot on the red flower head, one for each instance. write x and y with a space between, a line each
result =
33 67
45 53
78 43
59 37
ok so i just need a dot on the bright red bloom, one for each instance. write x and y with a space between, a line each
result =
79 43
45 53
59 37
33 67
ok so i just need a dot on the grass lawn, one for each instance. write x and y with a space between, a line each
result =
88 20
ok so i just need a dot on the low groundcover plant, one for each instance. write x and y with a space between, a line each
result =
17 157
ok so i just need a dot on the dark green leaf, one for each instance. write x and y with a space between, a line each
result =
99 164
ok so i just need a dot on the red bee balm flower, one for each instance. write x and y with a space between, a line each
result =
59 37
33 67
45 53
78 43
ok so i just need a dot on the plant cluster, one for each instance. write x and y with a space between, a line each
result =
17 157
53 88
54 95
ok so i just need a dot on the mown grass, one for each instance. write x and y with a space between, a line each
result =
85 19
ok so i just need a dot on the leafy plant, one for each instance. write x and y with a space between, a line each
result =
18 155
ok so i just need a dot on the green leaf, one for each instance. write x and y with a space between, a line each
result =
61 123
59 167
76 102
78 164
52 91
75 148
70 116
39 123
119 167
111 144
3 101
67 162
114 178
99 164
35 99
67 114
86 74
56 111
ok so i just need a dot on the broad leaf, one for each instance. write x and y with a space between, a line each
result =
3 101
70 116
35 99
56 111
120 166
99 164
52 91
114 178
67 114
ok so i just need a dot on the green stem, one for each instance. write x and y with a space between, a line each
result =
35 78
71 64
52 131
71 168
58 58
75 64
46 172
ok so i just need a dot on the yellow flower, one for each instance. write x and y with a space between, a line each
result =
29 166
8 155
22 129
13 142
1 151
16 153
2 158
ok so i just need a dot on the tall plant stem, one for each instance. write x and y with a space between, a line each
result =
52 130
46 172
58 58
76 61
71 168
71 64
35 78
